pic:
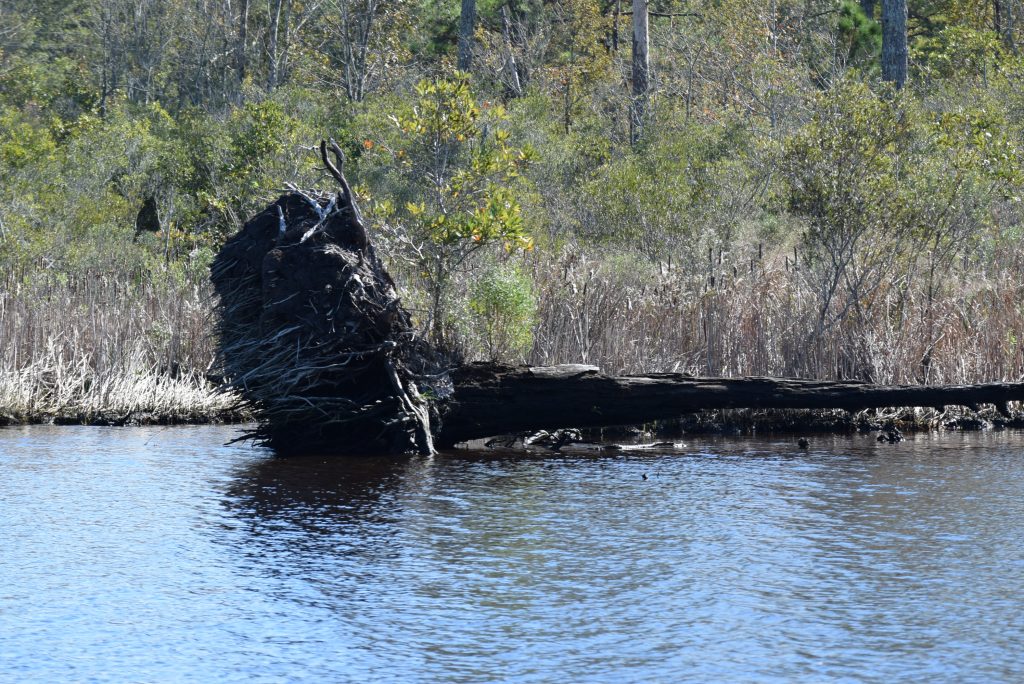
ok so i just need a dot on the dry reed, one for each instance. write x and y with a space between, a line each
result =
122 346
758 317
106 347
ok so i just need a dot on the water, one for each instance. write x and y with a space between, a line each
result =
161 555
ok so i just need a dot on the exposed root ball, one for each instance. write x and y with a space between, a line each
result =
313 334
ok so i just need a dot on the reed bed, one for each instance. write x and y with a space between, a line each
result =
107 347
123 345
762 316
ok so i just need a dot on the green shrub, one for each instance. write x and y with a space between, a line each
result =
504 309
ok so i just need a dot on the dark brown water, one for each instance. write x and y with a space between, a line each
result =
154 555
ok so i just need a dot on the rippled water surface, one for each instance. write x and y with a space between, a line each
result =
160 554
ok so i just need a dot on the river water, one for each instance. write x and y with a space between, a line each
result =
162 555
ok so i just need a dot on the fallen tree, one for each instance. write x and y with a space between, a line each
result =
489 400
313 335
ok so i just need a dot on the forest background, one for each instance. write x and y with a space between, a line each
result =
761 198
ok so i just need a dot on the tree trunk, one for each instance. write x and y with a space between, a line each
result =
282 59
491 400
467 22
1002 21
894 41
240 55
616 14
272 51
352 377
641 70
868 6
512 82
357 65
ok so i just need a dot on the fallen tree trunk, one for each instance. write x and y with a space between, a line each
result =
312 333
490 400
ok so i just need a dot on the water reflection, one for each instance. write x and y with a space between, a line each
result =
454 564
734 556
312 495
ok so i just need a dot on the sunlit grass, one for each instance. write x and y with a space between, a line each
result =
759 318
107 348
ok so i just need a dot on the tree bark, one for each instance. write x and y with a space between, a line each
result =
241 63
489 400
641 70
467 22
894 41
868 6
1002 22
275 8
312 331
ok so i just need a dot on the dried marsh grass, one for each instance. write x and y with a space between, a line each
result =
107 348
128 346
763 317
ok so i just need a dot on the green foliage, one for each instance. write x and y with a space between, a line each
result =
958 52
844 166
886 187
861 35
504 309
657 198
60 84
768 123
456 167
258 134
847 172
22 142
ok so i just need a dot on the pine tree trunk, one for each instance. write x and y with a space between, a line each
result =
894 41
272 49
241 63
641 70
467 21
512 81
1002 21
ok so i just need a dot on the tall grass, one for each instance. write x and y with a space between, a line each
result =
133 345
106 346
117 346
758 316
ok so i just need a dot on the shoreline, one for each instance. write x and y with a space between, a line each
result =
837 421
134 397
887 424
134 419
726 422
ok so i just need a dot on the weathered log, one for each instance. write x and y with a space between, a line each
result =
490 400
